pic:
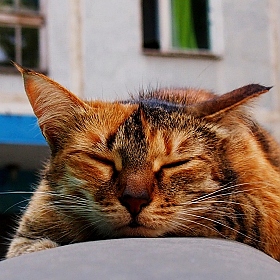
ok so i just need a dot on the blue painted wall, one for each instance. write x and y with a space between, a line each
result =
20 130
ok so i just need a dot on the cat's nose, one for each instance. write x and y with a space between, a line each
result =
134 202
136 189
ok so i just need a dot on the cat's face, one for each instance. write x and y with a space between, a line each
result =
148 167
145 176
177 162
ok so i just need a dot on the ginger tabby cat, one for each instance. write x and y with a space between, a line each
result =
176 162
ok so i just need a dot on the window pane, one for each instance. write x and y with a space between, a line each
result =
150 24
183 32
32 5
190 24
201 23
7 45
30 47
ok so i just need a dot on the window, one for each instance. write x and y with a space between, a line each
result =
182 26
21 28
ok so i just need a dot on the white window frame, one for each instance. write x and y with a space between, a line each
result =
28 19
215 31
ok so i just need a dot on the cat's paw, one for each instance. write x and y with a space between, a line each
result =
21 245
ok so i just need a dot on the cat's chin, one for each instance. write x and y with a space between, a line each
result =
136 230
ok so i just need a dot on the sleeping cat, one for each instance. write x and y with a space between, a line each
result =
173 162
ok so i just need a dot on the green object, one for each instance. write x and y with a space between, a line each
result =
183 32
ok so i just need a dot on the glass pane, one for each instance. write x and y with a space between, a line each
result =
30 47
190 24
183 32
201 23
32 5
7 45
150 24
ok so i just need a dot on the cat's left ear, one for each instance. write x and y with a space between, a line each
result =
53 105
221 104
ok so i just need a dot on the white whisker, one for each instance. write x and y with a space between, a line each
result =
222 224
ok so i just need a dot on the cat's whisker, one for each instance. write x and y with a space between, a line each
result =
210 202
191 221
208 195
220 192
217 212
16 192
16 204
222 189
222 224
68 198
178 227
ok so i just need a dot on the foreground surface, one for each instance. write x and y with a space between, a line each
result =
160 258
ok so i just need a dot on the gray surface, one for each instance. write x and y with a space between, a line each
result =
161 258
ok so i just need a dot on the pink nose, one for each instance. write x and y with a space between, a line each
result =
136 190
134 204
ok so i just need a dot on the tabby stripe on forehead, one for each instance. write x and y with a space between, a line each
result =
111 140
132 140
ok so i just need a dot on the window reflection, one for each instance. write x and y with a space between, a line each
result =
7 45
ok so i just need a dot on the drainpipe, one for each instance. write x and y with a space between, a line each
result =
76 47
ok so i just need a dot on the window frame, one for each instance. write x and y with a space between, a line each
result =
216 37
20 19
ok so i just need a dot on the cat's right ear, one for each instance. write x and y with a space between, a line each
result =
219 105
53 105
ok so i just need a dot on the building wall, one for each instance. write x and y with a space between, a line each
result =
94 49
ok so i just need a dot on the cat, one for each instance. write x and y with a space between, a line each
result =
167 163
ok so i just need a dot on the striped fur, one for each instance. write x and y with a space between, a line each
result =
177 162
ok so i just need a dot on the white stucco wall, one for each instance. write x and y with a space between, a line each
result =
105 46
115 63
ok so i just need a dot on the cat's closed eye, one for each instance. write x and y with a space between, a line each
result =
101 160
175 164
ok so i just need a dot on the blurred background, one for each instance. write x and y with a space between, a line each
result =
106 49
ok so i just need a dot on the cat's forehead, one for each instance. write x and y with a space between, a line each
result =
139 129
108 116
154 123
154 137
135 113
135 120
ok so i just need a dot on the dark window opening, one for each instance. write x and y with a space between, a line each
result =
201 23
150 24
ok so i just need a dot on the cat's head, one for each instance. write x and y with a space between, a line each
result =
139 167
